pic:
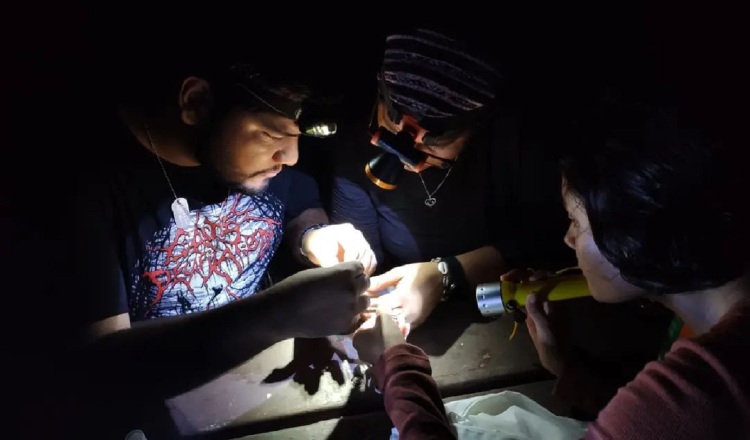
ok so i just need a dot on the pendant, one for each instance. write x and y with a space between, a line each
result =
430 201
181 213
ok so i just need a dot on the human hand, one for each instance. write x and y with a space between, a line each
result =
335 244
538 320
379 333
546 344
321 302
417 290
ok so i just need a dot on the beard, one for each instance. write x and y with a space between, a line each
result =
263 184
205 151
252 190
241 183
208 152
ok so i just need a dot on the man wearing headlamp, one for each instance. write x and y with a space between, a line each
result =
182 218
448 198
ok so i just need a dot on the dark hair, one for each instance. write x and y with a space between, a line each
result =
150 70
257 87
159 83
660 200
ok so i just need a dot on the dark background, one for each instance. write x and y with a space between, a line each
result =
63 61
64 58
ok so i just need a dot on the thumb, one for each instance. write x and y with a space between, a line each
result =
327 257
388 279
539 325
372 326
369 323
516 275
390 330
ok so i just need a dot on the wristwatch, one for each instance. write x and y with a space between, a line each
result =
302 237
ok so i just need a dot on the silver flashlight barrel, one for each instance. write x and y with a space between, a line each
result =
490 299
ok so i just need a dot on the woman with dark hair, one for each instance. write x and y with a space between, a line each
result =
653 215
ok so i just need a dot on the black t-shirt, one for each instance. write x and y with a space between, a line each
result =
503 191
133 259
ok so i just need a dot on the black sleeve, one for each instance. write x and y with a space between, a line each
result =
60 266
350 202
302 193
98 267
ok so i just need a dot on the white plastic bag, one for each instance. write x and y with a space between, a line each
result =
508 415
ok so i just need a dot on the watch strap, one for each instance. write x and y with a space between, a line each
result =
453 275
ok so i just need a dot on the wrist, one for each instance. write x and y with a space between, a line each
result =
275 312
306 236
452 276
557 366
435 280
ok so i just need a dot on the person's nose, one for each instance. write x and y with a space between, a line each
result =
288 152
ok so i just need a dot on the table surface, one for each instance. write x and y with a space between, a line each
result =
297 382
377 425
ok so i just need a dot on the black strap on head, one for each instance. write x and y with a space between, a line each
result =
314 117
246 79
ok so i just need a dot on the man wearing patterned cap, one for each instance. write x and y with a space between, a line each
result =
449 199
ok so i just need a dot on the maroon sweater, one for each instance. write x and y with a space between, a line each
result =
411 396
701 390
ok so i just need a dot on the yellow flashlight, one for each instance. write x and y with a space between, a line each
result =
505 296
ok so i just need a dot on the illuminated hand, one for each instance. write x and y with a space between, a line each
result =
538 321
417 290
542 335
320 302
379 333
333 244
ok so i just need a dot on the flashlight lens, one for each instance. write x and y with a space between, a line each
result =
384 170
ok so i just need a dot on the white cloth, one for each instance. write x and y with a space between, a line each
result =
508 415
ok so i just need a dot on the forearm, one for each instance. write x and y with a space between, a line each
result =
165 357
481 265
299 224
412 399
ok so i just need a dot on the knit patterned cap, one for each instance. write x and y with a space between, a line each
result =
430 75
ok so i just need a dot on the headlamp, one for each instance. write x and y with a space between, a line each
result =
314 118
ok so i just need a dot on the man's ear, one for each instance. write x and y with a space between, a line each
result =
195 100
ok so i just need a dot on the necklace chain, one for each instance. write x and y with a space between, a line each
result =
166 175
158 157
431 200
214 256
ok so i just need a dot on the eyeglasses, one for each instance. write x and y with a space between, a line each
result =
411 127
